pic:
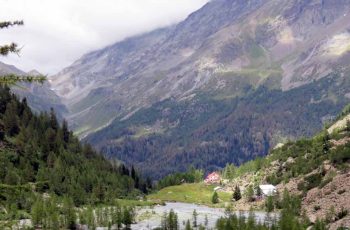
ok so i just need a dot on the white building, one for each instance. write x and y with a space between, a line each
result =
268 189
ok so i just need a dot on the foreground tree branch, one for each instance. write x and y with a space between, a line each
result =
12 79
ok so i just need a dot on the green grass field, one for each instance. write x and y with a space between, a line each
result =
198 193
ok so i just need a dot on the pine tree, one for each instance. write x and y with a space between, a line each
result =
258 191
127 217
326 138
269 206
65 130
249 194
37 212
215 198
10 119
237 193
194 217
69 213
188 225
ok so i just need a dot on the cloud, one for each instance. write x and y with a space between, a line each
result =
57 32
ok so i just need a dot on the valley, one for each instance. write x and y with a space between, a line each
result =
234 117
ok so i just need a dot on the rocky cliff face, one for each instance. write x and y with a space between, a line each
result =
251 57
294 41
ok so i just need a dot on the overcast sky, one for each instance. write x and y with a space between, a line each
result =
57 32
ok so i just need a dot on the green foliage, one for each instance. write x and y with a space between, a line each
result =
237 193
215 198
269 204
191 176
229 171
319 225
39 156
170 221
12 79
188 225
240 222
194 219
249 194
313 180
258 191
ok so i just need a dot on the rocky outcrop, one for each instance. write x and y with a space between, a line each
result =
328 202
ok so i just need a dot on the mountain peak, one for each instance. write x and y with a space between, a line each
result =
34 72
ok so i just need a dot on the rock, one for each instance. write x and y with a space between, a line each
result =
290 160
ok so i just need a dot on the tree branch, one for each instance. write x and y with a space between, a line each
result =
6 49
9 23
12 79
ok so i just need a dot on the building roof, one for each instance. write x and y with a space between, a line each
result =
267 187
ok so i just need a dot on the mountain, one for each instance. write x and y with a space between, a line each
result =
39 96
225 85
314 169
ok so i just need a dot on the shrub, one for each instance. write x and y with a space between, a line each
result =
237 194
341 214
325 182
313 180
215 198
269 206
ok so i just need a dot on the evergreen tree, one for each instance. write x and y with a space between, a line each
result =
69 213
249 193
258 191
229 171
65 131
206 221
326 144
10 119
237 193
194 218
269 205
38 212
127 217
188 225
215 198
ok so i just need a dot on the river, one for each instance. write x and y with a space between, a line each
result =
150 218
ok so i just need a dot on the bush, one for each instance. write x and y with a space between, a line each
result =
313 181
237 194
325 182
269 206
340 215
215 198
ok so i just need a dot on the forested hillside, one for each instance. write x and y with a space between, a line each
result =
210 130
41 158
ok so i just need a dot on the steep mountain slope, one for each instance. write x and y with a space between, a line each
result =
228 80
316 169
39 96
